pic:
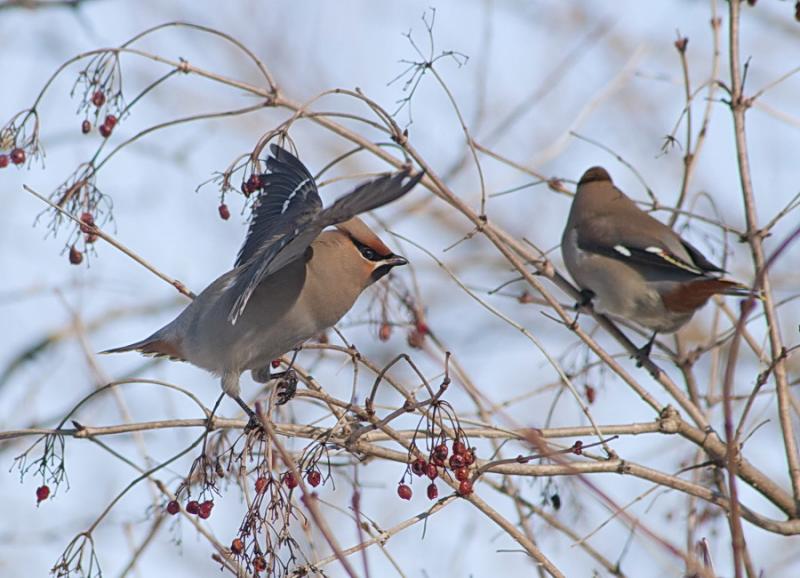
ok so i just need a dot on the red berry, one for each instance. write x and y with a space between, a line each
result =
577 448
431 471
433 491
75 256
276 363
404 491
254 182
462 474
469 457
98 98
415 339
105 130
457 461
3 161
438 461
87 221
459 448
422 328
42 493
385 332
314 478
465 488
290 480
224 212
110 120
440 451
173 507
86 127
236 546
419 466
246 188
590 394
17 156
192 507
261 485
259 564
205 509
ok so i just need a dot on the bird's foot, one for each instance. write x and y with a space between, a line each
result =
253 421
286 387
585 300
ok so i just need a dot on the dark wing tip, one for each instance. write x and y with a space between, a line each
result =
594 174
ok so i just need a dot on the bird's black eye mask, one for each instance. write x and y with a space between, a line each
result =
368 252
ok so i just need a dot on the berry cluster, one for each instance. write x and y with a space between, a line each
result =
19 138
200 509
102 93
440 460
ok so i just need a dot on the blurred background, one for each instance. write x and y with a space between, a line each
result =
527 77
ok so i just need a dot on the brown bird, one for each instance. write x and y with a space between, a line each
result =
632 265
291 280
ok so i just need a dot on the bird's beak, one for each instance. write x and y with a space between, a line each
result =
394 261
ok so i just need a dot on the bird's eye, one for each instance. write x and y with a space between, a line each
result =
369 254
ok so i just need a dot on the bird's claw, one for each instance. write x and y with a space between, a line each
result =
286 387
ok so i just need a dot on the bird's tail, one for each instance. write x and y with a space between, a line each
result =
737 289
152 346
690 296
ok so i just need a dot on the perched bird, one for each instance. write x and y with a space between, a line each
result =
632 265
291 280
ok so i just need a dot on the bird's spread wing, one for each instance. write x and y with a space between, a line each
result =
286 208
368 196
293 219
288 194
647 248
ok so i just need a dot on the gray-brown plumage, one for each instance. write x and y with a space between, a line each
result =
633 265
292 280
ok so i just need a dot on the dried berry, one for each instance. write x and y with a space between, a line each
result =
259 564
205 508
385 332
433 491
457 461
469 457
173 507
577 448
290 480
17 156
440 451
192 507
314 478
459 448
110 121
404 491
419 466
86 127
98 98
465 488
415 339
555 499
462 474
42 493
87 221
105 130
431 471
261 485
3 161
75 256
224 212
254 182
246 188
422 328
236 546
590 394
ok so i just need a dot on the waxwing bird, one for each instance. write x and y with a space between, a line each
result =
632 265
292 279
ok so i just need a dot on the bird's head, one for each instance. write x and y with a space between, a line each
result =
369 254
